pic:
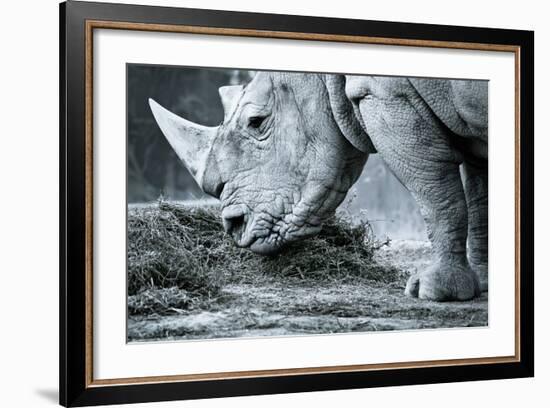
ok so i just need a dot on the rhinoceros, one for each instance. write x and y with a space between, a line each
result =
292 144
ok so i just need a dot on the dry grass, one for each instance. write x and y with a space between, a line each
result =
185 247
188 280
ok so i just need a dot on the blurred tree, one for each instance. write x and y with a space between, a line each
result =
153 167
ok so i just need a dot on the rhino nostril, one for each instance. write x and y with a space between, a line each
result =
218 189
235 220
234 225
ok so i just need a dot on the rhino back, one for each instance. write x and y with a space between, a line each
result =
460 104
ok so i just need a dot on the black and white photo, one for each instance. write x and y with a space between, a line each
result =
270 203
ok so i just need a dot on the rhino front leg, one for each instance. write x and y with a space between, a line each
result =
442 201
476 189
417 149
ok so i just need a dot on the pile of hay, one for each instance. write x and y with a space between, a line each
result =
185 247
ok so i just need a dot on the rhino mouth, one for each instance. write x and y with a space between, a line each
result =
262 232
261 247
239 223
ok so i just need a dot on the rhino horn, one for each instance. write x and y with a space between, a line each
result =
191 142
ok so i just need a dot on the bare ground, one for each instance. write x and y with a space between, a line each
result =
271 305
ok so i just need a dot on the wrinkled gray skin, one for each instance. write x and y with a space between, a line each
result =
291 146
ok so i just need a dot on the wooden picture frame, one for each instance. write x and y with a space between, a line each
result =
78 20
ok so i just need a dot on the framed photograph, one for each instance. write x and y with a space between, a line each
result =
256 204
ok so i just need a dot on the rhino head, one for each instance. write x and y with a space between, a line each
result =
279 162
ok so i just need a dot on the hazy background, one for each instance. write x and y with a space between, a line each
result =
154 169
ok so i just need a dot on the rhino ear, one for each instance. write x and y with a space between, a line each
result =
346 117
230 97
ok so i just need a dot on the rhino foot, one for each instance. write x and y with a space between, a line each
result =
482 274
444 283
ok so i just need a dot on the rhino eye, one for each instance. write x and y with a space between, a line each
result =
256 121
